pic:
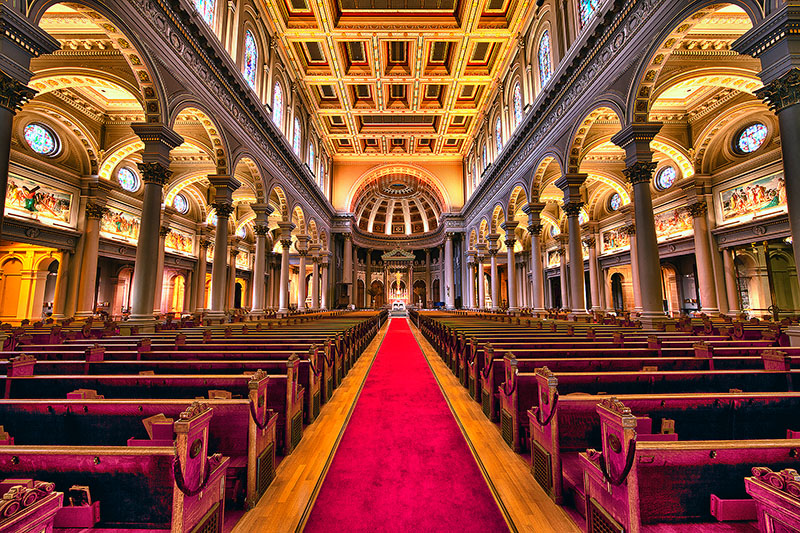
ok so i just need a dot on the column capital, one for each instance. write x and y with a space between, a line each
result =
159 140
286 228
629 229
572 209
223 209
589 241
13 94
95 210
698 209
262 211
449 235
781 92
532 209
509 242
163 231
204 244
635 140
261 230
234 252
154 172
640 172
535 229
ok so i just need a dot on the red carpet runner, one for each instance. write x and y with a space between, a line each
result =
403 464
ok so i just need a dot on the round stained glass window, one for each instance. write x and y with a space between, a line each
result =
181 204
41 139
615 202
751 138
128 179
665 178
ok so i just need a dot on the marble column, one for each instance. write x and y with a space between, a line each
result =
367 279
635 140
91 248
60 297
347 270
200 276
495 279
302 287
512 271
594 280
261 230
158 140
533 210
571 185
270 282
731 286
442 283
233 252
286 243
428 290
315 277
324 273
223 206
702 253
354 297
163 231
630 229
450 291
20 42
481 283
562 272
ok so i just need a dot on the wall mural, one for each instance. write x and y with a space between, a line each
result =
179 241
615 239
673 222
754 196
243 260
118 224
30 199
553 259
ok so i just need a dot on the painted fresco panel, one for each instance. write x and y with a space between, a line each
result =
30 199
121 225
753 197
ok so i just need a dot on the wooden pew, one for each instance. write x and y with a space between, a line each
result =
635 484
242 429
28 506
776 496
158 488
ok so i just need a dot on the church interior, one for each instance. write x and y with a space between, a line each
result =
399 265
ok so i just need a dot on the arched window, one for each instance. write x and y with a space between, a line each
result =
322 174
485 159
311 161
250 58
498 134
587 9
545 59
296 136
206 9
277 104
517 104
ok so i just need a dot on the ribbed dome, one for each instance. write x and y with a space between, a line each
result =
398 204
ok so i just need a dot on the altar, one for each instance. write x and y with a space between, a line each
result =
399 266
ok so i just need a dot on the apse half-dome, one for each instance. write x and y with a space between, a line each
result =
398 203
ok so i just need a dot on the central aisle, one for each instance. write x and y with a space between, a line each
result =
403 464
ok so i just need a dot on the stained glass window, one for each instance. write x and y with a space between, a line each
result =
554 231
212 218
277 104
615 202
41 139
250 58
498 134
206 10
751 138
517 104
583 218
545 58
665 178
181 204
296 141
242 231
587 9
311 164
485 160
128 179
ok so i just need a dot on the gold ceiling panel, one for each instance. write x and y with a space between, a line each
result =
400 77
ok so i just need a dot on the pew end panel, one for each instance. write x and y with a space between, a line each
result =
777 497
30 507
262 428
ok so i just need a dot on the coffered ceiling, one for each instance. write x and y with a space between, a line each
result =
398 77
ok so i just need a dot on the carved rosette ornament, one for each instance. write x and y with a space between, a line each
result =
95 211
154 172
640 172
13 94
698 209
573 209
261 230
223 209
163 231
782 92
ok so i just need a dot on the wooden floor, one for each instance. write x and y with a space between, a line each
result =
288 501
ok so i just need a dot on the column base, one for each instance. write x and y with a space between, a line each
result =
710 312
578 315
656 320
794 335
83 314
144 323
216 315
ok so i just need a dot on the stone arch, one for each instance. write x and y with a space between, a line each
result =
278 200
194 111
498 218
516 200
540 169
72 125
685 17
259 182
483 230
578 148
721 124
125 40
313 233
408 169
299 219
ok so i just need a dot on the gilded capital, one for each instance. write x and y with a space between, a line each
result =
781 92
204 244
640 172
698 209
261 230
589 241
573 209
535 229
95 211
163 231
510 243
154 172
13 94
223 209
